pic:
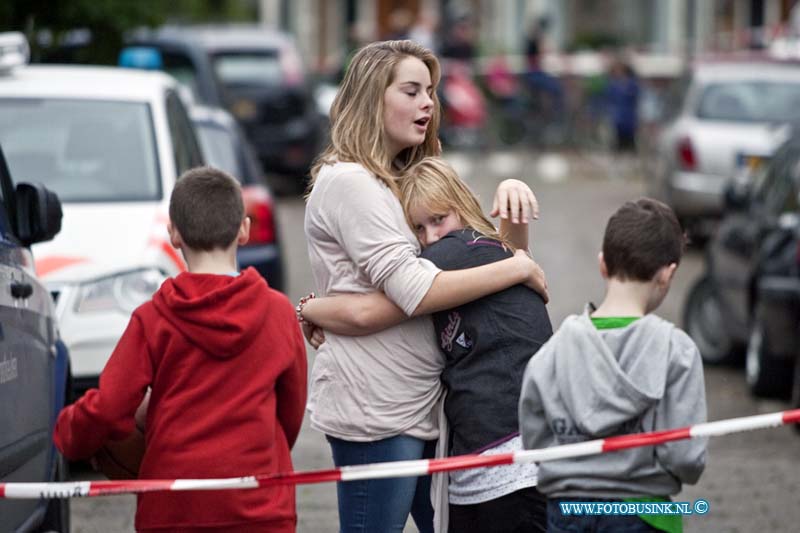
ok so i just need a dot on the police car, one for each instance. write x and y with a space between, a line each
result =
111 142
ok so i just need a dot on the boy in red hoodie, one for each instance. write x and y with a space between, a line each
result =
226 362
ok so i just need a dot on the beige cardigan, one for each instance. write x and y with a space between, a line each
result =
385 384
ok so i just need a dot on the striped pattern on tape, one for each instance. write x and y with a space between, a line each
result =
399 468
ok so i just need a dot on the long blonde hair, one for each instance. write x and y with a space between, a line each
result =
433 185
357 128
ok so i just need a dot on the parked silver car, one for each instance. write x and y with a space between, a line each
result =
728 118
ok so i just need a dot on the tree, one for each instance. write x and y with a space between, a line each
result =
47 25
93 31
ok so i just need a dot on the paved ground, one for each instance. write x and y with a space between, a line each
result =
752 479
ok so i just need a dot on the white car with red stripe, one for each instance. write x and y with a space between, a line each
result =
110 142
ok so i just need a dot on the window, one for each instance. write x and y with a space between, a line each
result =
218 148
750 101
789 202
262 68
181 67
777 192
83 150
185 149
6 195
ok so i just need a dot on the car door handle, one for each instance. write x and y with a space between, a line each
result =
21 290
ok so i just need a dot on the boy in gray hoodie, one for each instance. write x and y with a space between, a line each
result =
615 370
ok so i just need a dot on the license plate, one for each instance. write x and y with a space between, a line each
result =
244 109
750 162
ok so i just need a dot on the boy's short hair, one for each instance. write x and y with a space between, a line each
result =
206 208
641 238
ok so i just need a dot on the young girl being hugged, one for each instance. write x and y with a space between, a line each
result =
486 344
374 396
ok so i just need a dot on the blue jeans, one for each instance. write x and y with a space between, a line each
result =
558 523
383 505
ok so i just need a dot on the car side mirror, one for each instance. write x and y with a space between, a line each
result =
38 213
737 195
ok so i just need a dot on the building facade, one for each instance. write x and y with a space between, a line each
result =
328 30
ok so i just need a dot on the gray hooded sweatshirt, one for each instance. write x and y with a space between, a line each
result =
587 384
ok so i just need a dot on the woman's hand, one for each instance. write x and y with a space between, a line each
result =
515 200
536 279
313 334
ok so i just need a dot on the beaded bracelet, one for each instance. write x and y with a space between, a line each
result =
299 309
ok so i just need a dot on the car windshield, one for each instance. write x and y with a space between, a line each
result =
84 150
218 148
752 101
775 187
180 67
261 68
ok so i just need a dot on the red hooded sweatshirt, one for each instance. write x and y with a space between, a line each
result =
227 365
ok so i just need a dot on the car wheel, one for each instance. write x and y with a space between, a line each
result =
703 321
57 517
766 376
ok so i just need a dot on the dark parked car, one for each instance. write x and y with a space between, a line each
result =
224 146
258 75
749 294
34 365
773 350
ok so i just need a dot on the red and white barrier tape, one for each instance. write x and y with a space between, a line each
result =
400 468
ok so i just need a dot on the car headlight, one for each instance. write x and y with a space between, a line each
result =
122 292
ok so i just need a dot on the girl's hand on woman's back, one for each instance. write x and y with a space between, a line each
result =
536 278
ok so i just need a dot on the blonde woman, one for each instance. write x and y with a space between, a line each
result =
374 396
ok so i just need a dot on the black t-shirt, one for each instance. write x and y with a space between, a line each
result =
487 344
